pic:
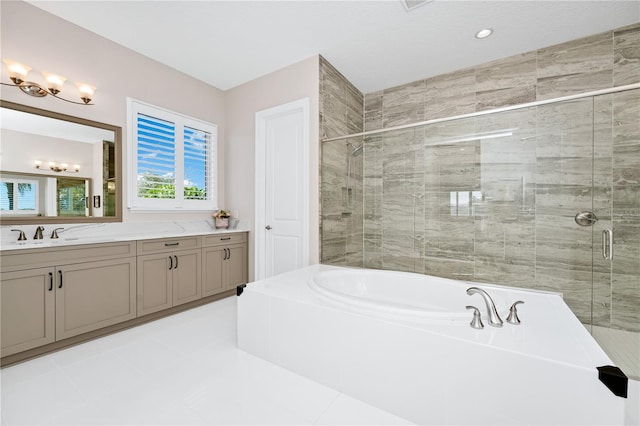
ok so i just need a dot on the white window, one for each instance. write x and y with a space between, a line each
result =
19 197
172 160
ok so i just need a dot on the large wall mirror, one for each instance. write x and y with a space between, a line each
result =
57 168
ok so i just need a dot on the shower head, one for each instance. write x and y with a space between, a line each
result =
355 150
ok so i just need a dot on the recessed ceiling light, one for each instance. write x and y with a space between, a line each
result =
484 33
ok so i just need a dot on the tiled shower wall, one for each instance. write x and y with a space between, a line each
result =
519 229
341 113
493 199
601 61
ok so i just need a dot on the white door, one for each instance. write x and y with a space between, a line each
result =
282 188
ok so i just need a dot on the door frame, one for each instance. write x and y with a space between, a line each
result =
262 117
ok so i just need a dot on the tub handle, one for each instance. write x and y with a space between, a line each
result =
513 313
476 322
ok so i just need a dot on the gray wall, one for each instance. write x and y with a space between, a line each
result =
520 230
601 61
341 113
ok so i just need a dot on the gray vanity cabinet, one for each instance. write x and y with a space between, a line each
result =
225 262
94 295
55 296
27 306
170 275
71 294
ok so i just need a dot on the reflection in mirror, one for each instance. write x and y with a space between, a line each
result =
72 197
55 167
23 196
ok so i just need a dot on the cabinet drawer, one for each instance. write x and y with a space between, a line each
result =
168 244
21 259
223 239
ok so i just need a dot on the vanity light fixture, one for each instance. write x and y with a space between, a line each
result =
58 168
18 75
484 33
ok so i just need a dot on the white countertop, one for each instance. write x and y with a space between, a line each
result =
95 233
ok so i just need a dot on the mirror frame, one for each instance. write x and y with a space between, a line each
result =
117 131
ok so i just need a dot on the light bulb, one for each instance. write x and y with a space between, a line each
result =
86 92
17 71
54 82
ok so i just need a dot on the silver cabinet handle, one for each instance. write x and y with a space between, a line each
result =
607 244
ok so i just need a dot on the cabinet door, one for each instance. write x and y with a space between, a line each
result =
27 309
212 271
93 295
187 275
236 266
155 283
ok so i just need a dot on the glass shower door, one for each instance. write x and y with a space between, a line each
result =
564 193
616 255
587 232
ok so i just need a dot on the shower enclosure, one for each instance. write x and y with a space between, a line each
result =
542 196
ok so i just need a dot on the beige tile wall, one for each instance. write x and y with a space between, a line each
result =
341 113
601 61
562 158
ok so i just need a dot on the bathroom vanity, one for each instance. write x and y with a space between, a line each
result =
60 293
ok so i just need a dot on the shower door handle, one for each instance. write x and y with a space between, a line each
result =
607 244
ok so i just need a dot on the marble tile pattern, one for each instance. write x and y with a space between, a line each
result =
500 207
626 55
91 233
341 112
492 198
596 62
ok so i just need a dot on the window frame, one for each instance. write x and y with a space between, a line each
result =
17 212
179 203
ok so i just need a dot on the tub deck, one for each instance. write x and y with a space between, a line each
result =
433 372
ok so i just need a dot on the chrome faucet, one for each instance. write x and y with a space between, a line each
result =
494 318
38 235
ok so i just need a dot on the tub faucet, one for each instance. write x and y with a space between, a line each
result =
494 318
38 235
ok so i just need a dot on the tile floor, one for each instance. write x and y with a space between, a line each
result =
623 347
184 369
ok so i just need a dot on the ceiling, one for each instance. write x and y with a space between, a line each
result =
375 44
